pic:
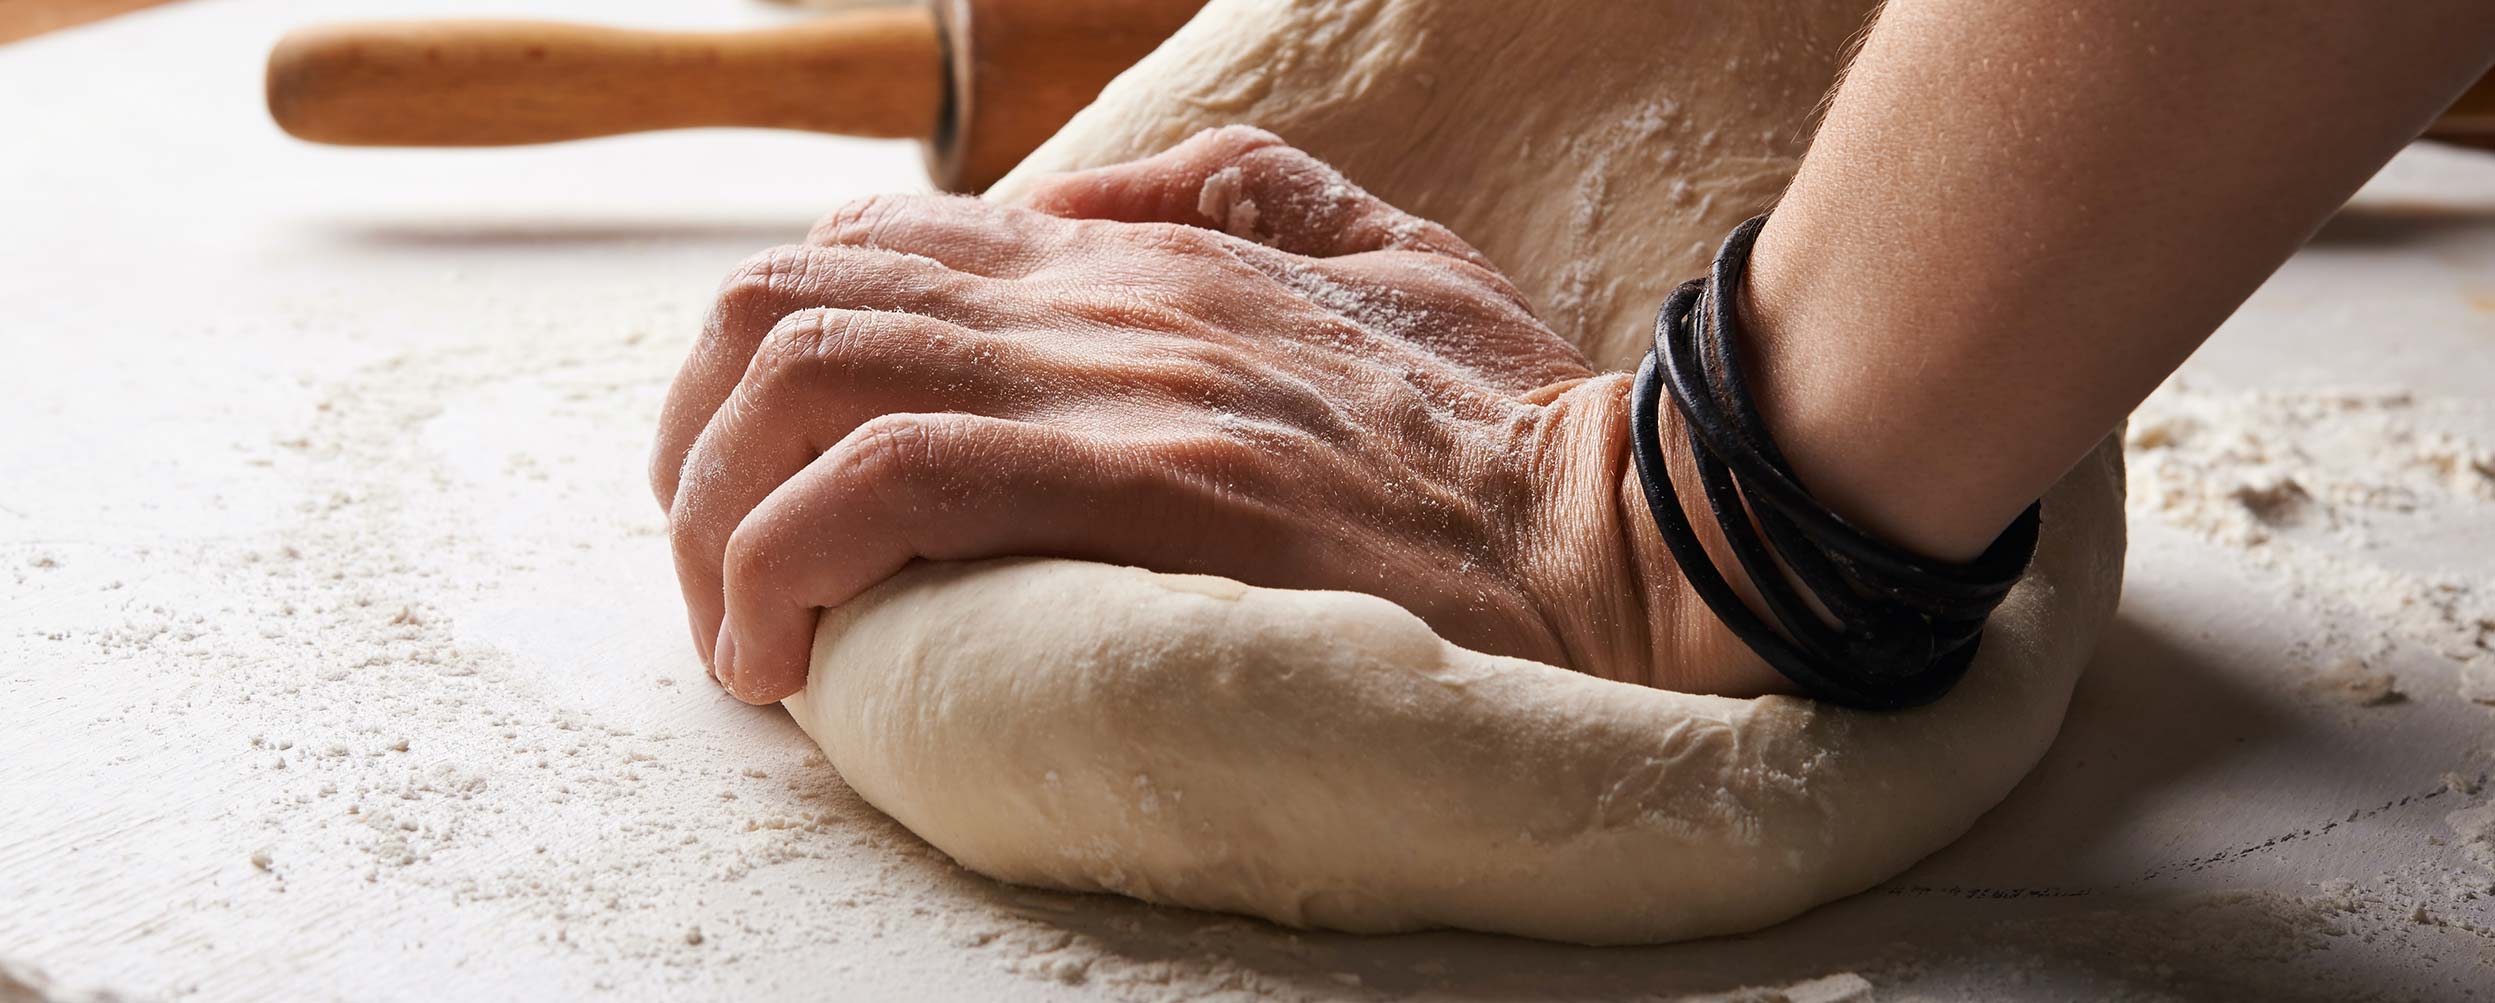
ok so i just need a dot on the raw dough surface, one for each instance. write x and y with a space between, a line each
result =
1324 759
1595 150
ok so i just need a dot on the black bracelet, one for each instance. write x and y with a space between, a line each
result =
1906 626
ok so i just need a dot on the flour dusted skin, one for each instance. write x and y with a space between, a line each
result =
1324 759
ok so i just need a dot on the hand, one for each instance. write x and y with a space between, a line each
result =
1225 359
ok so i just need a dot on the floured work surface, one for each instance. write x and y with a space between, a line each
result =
342 658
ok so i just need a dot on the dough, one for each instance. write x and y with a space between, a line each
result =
1597 150
1324 759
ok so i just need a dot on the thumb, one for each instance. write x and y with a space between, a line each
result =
1249 183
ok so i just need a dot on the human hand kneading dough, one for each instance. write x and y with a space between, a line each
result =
1225 359
2010 226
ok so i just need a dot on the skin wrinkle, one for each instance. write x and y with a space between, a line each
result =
1361 405
839 352
1570 626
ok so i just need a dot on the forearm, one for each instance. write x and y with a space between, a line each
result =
2018 218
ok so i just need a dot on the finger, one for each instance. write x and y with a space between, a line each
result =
899 487
961 487
780 282
965 233
815 378
1249 183
1166 187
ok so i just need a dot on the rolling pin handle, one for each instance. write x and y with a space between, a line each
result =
498 83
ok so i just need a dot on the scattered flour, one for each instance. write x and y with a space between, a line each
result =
378 759
2475 829
336 740
2347 496
2352 681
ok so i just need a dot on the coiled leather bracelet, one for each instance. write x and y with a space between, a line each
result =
1905 627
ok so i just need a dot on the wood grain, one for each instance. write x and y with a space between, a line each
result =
491 83
1020 70
28 18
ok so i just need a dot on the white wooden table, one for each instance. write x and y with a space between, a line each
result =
340 656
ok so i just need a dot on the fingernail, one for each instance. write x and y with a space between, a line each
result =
723 660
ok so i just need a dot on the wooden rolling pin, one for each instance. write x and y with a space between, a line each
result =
983 82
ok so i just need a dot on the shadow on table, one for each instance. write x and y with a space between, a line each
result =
2150 711
2380 224
2191 946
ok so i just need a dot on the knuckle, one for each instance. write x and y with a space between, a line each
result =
1296 165
893 449
857 221
1434 238
750 556
1466 270
801 341
812 346
1173 238
1239 140
765 272
689 534
751 291
701 471
705 508
897 460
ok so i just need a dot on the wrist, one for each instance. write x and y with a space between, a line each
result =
1869 420
1616 597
